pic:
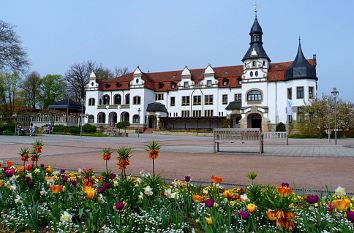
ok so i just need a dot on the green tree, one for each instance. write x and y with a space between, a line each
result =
31 88
53 89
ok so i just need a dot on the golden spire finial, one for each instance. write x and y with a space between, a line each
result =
255 8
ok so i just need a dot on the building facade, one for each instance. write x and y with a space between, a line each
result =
256 94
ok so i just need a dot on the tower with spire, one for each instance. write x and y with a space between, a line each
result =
255 61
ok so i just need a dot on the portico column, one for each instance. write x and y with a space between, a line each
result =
158 122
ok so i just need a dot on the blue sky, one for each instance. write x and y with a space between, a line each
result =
162 35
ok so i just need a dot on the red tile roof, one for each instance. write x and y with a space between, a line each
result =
161 81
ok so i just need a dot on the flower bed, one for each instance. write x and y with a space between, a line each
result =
39 198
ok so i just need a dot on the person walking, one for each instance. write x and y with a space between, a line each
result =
31 130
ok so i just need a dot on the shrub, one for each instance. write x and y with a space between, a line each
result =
226 123
74 129
88 128
60 129
280 127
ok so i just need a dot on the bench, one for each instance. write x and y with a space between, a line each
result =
231 135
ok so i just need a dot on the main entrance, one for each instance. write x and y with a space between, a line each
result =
254 121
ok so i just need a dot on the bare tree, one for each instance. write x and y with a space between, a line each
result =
103 73
12 55
31 87
120 71
77 77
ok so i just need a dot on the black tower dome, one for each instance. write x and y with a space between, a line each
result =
300 68
256 45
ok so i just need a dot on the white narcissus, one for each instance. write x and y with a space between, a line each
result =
66 217
148 191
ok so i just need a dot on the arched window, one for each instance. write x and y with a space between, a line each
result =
101 118
137 80
92 84
105 100
117 99
251 73
91 119
254 95
136 119
256 73
136 100
254 63
91 102
127 99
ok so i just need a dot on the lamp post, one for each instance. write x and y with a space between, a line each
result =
139 110
335 94
328 123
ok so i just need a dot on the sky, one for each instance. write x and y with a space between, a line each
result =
162 35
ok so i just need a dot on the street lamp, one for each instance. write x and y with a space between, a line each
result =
328 123
139 110
335 94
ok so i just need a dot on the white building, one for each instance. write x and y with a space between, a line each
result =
256 94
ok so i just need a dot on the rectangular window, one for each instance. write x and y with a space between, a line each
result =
197 113
311 96
185 113
299 92
224 99
185 100
208 83
208 100
159 96
197 100
290 93
238 97
173 101
208 113
185 84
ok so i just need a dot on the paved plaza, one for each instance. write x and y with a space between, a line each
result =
304 163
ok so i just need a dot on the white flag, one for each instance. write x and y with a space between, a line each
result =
289 107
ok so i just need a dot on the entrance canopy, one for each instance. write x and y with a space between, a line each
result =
156 107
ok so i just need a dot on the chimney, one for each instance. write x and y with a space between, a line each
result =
314 59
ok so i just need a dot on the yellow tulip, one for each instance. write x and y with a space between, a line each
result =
209 220
252 208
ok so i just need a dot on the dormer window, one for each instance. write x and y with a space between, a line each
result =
92 84
254 63
137 80
173 85
118 84
225 82
161 85
107 85
208 83
185 84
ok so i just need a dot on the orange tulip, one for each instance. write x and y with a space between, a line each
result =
106 156
56 188
88 181
341 204
197 198
49 169
216 179
2 183
284 191
271 214
9 164
89 191
252 208
227 194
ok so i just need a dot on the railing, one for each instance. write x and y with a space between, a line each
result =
236 134
276 136
125 106
101 106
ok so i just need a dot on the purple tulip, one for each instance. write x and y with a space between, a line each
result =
243 214
120 205
27 178
209 202
112 176
312 199
42 165
187 178
106 185
101 189
284 184
73 182
9 172
330 207
62 171
350 215
64 179
30 184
